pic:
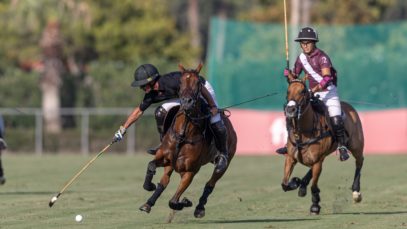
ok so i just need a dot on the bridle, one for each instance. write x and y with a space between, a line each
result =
189 100
295 109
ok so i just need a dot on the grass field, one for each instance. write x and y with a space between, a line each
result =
109 193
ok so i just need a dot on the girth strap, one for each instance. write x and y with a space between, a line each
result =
300 144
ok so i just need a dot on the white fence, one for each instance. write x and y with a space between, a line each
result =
84 113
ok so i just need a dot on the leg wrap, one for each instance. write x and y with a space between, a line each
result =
151 201
204 198
1 169
315 194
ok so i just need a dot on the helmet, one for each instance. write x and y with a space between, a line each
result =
144 74
307 34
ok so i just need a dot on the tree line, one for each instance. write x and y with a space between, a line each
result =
82 53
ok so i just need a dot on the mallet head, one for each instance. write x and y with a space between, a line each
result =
53 200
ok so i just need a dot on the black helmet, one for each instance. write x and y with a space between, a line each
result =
307 34
144 74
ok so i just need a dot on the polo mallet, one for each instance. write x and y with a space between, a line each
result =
286 35
55 198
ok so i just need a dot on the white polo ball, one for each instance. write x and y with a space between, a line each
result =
53 199
78 218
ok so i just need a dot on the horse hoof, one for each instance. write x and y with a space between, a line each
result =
315 209
145 208
199 213
186 202
302 191
149 187
357 197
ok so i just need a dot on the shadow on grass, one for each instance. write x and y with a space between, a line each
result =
372 213
26 193
255 221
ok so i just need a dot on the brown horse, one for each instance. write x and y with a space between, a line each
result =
186 147
310 140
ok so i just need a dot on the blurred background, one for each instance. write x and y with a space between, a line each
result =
66 66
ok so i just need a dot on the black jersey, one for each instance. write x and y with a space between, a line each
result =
169 85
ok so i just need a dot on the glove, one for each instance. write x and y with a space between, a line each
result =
286 72
118 136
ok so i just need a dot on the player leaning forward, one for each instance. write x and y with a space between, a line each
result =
322 81
159 88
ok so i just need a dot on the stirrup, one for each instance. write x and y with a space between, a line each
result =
343 153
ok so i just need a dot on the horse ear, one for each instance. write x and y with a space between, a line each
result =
198 69
181 67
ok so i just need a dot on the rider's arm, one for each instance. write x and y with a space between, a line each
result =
133 117
326 79
207 96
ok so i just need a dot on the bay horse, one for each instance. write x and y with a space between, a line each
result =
311 139
186 147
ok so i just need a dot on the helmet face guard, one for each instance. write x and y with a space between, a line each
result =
144 74
307 34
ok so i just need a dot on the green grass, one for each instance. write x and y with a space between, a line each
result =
109 193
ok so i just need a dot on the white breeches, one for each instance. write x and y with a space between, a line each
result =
331 100
176 102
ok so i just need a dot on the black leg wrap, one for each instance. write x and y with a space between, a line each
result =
356 180
315 195
307 178
302 191
204 198
1 169
148 185
151 201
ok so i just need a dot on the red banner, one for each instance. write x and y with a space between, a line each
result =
262 132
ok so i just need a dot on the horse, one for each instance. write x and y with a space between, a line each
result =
186 147
310 140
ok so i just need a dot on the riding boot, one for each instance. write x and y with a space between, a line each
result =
160 115
220 132
339 129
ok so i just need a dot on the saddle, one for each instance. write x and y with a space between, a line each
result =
320 108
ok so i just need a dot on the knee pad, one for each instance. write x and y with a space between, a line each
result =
160 114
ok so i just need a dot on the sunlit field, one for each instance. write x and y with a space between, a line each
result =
109 193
